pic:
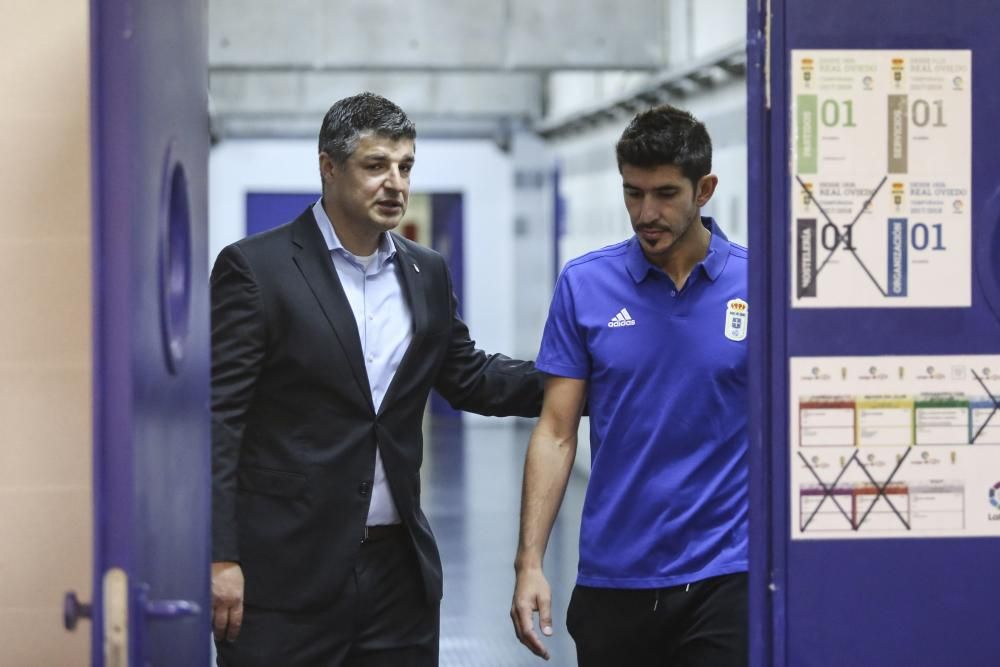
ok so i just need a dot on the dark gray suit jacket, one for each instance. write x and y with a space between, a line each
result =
294 430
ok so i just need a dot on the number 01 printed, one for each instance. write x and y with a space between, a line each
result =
881 178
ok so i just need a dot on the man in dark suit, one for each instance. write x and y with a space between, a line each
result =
328 333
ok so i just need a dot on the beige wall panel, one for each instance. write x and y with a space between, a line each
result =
49 527
32 429
45 340
41 169
33 638
50 300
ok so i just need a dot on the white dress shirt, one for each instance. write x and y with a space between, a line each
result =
385 327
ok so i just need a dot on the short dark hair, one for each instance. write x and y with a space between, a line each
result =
354 116
666 135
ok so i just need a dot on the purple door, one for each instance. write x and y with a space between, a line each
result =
151 352
446 238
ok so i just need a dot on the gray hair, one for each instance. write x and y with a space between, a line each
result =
353 117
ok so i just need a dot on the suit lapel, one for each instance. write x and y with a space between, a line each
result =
415 290
313 259
414 287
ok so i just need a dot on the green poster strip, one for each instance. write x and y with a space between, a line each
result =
806 139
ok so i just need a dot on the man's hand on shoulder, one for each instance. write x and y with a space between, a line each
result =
531 594
227 600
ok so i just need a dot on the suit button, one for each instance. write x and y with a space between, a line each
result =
364 488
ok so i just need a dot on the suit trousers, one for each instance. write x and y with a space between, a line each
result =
702 624
381 619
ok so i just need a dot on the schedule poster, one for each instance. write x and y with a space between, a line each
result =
885 447
881 178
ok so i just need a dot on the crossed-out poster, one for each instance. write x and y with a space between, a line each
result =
889 446
881 178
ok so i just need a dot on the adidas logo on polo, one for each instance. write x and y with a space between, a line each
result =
622 319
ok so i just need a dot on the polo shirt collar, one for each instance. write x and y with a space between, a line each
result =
713 264
386 248
718 250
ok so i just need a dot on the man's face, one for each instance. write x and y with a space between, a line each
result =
372 188
663 205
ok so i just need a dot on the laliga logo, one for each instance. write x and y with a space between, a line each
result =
995 502
817 374
874 374
872 461
818 463
933 374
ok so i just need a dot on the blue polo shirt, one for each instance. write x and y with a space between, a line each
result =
666 502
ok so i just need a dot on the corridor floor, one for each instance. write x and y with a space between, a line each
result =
471 482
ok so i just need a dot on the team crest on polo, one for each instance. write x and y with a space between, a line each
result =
737 313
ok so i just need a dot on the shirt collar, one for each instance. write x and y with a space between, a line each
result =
713 264
386 248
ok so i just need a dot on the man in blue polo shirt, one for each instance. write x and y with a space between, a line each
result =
650 333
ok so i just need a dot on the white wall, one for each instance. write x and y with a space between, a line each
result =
477 169
239 167
534 209
714 25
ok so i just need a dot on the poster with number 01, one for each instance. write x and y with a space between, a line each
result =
881 178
